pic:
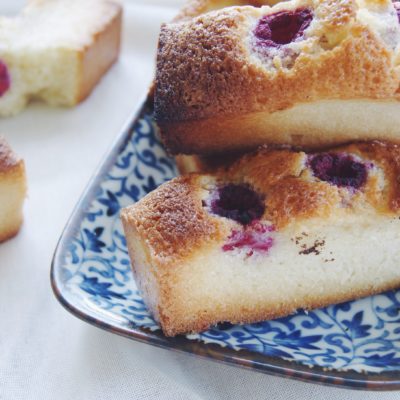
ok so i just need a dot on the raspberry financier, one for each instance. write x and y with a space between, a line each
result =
56 51
308 73
277 231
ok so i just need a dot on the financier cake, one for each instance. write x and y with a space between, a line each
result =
308 73
56 51
277 231
12 191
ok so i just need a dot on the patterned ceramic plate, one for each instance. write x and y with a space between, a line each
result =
354 344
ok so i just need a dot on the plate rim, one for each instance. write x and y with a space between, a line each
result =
383 381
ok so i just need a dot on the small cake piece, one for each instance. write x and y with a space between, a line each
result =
277 231
56 51
12 191
305 73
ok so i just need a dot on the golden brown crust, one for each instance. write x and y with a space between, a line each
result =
294 199
289 196
212 163
387 157
175 221
172 219
294 194
267 166
209 72
8 159
205 68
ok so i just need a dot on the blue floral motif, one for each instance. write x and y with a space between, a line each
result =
362 336
96 288
150 185
355 327
390 359
93 242
111 202
392 310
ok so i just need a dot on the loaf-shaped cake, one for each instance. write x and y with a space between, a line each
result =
12 191
277 231
56 51
303 72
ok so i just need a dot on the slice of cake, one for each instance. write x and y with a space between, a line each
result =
12 191
277 231
305 73
56 51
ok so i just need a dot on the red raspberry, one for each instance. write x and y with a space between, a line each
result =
283 27
4 79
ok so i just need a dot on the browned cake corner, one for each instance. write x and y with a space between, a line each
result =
9 161
173 219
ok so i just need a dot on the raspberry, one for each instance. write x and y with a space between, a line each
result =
339 169
238 202
283 27
4 79
253 238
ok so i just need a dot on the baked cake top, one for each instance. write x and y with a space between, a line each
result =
269 190
274 57
8 159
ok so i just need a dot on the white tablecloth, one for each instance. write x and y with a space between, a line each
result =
46 353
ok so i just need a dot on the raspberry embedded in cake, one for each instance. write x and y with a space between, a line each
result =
238 202
254 237
4 79
339 169
283 27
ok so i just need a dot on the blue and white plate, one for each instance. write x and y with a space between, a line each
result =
354 344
